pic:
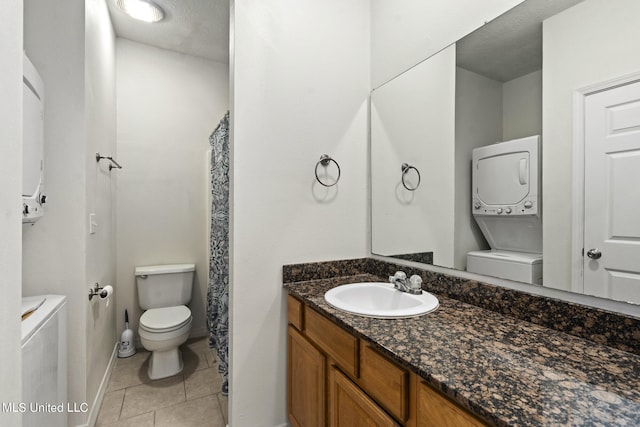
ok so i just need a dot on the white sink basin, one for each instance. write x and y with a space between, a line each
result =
381 300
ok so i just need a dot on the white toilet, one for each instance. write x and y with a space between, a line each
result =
164 292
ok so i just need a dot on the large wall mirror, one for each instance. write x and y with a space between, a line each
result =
563 73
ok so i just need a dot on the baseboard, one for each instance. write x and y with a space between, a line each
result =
97 402
198 332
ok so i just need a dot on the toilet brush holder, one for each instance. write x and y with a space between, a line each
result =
127 346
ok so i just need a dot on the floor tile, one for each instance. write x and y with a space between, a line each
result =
111 406
202 383
193 360
144 420
212 359
130 371
193 413
197 344
156 394
190 398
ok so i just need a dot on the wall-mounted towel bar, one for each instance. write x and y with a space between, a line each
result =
113 163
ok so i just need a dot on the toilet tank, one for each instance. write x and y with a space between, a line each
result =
164 285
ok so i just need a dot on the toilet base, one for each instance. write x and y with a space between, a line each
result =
163 364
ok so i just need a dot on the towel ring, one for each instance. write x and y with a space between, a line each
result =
324 161
406 168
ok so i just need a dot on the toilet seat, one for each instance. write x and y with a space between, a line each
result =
166 319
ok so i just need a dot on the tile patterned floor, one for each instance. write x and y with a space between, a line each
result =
191 398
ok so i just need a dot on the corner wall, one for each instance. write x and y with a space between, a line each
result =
522 106
301 85
100 119
592 42
168 104
54 249
478 117
10 206
413 121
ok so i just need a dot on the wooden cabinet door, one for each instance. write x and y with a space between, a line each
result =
386 382
306 382
351 407
435 410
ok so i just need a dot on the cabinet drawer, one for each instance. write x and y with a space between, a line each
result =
435 410
387 383
337 343
295 310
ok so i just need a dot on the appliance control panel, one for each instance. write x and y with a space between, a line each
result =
527 207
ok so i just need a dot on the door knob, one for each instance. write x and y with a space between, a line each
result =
594 253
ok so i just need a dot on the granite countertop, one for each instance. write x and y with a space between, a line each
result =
508 371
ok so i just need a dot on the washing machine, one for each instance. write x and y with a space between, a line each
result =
44 361
506 196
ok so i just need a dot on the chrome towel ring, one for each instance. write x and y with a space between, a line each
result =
406 168
324 161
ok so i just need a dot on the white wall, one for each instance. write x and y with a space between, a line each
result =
592 42
54 249
522 106
59 254
478 122
167 106
100 116
405 32
412 121
10 205
300 74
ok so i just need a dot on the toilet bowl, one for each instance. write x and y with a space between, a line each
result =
162 331
164 291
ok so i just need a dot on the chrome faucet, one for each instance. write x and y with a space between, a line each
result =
399 281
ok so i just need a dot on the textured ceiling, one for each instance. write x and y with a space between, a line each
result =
511 45
194 27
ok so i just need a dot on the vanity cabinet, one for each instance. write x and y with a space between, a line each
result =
338 380
349 406
385 381
435 410
306 382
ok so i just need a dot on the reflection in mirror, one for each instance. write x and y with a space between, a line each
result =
412 121
485 89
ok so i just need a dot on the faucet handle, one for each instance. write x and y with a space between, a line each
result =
416 282
400 275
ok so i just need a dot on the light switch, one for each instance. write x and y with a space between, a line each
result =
92 223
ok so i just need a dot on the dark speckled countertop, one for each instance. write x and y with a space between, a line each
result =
509 371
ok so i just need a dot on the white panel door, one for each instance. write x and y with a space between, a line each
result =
612 194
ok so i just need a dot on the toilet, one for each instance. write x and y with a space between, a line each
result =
164 292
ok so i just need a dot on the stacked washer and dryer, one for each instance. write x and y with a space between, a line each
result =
506 196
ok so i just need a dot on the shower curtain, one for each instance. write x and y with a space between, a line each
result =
218 289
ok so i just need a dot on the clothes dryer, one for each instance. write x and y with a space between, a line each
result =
506 184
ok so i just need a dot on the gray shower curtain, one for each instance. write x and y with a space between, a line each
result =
218 290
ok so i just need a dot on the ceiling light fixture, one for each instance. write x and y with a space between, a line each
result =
142 10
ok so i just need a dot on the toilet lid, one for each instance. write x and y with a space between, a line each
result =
165 319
